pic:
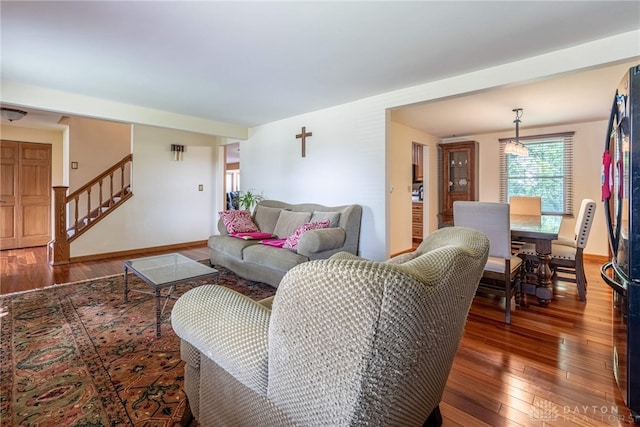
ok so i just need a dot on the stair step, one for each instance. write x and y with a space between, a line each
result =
85 221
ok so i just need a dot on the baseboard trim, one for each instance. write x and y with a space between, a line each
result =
402 252
133 252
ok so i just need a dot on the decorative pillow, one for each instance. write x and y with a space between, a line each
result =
238 222
333 217
266 218
289 221
252 236
292 240
276 243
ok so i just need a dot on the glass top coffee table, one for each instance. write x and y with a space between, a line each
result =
164 271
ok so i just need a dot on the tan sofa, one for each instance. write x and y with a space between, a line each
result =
345 341
252 260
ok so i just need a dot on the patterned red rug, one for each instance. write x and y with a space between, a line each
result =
78 355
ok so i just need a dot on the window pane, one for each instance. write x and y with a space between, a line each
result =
545 172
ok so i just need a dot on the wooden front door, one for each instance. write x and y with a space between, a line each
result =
25 194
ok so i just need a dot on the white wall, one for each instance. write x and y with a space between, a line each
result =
166 207
400 178
344 164
43 136
79 105
95 145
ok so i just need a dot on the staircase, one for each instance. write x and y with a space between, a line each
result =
77 212
83 224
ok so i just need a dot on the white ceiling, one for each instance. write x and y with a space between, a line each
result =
250 63
573 98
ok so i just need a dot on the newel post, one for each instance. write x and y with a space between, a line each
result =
61 250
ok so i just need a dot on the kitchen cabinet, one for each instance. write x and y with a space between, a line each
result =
417 162
416 220
458 176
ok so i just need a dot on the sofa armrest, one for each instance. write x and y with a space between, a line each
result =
221 228
320 240
228 328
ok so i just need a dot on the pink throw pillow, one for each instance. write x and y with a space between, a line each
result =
238 222
277 243
292 241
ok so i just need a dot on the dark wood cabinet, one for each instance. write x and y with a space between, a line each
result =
458 174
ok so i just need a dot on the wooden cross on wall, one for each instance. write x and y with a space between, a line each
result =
303 135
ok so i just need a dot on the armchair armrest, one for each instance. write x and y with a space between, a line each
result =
228 328
320 240
402 258
347 255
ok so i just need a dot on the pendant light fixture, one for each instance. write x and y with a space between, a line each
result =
12 114
516 147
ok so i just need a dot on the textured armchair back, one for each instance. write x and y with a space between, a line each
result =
353 341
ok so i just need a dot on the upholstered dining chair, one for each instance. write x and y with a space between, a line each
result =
567 254
523 205
501 274
345 341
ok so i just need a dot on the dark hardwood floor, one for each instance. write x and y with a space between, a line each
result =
552 366
28 269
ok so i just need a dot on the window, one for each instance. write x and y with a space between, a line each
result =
233 180
546 172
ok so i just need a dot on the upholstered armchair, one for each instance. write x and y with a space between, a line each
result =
344 341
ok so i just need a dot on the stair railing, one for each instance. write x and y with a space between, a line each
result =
79 211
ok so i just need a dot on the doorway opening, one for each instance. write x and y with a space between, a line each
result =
232 176
419 192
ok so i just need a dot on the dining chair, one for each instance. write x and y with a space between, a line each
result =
501 274
523 205
567 254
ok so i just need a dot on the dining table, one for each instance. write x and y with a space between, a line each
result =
541 230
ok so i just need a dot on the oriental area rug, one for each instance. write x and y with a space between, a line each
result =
76 354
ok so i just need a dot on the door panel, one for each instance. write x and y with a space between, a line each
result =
26 194
35 194
8 194
32 224
7 225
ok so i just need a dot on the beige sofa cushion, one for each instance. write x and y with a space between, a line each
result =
230 245
290 221
333 217
266 218
277 259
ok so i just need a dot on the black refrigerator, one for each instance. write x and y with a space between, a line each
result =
621 197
